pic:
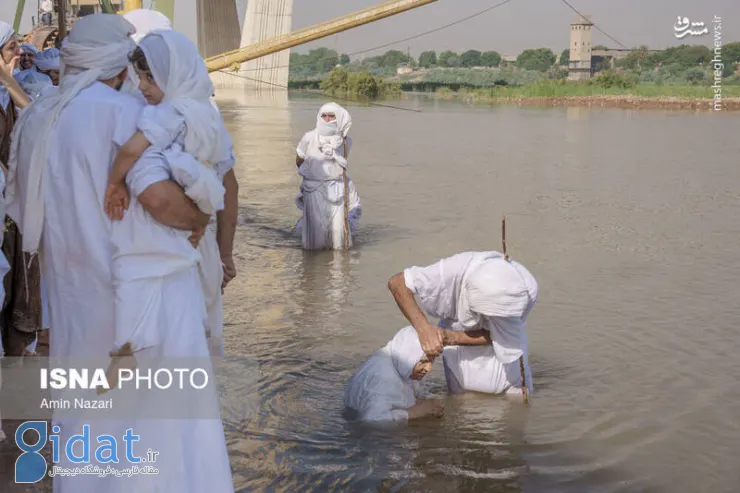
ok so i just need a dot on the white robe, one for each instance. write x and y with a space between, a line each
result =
76 258
162 125
145 252
469 368
321 199
381 389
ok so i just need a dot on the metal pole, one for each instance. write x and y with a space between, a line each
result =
312 33
62 20
19 14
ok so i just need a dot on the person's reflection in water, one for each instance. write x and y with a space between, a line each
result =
325 282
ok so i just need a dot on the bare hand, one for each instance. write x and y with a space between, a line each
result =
229 270
123 358
7 69
432 339
197 236
437 408
116 200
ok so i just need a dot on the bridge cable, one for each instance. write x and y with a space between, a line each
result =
415 36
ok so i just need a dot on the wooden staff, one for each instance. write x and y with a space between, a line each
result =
521 358
346 197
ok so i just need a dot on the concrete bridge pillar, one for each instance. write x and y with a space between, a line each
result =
214 26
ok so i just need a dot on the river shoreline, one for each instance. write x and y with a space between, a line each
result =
625 101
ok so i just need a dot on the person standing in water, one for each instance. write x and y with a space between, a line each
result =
322 163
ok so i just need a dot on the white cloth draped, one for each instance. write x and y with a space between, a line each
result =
145 21
381 389
97 48
330 135
189 116
321 199
29 48
145 251
184 80
480 290
33 82
47 59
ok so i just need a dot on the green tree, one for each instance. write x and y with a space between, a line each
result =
490 59
565 57
599 63
336 81
635 59
695 75
730 53
540 59
428 59
344 59
471 58
444 58
393 58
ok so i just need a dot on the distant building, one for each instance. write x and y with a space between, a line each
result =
579 64
404 69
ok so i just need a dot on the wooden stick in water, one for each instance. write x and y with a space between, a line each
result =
521 358
346 199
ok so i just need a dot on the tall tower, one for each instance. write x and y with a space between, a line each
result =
579 65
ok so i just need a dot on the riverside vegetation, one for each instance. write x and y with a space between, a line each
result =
682 75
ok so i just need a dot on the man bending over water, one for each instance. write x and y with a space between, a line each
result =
484 300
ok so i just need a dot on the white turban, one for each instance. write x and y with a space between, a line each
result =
6 33
34 82
146 21
330 135
29 48
96 48
47 60
182 76
500 294
405 351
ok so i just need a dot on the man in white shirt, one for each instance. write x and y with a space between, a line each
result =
483 300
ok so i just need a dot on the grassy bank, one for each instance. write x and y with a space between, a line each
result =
640 95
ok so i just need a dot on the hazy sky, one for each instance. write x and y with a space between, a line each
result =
508 29
521 24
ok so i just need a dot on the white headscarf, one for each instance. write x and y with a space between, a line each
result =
29 48
146 21
6 34
500 294
47 60
34 82
181 74
405 351
96 48
331 135
381 389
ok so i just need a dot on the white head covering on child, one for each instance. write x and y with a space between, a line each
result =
181 74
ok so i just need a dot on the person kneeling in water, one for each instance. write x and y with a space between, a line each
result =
385 387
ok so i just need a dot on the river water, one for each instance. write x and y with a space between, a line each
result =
629 221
